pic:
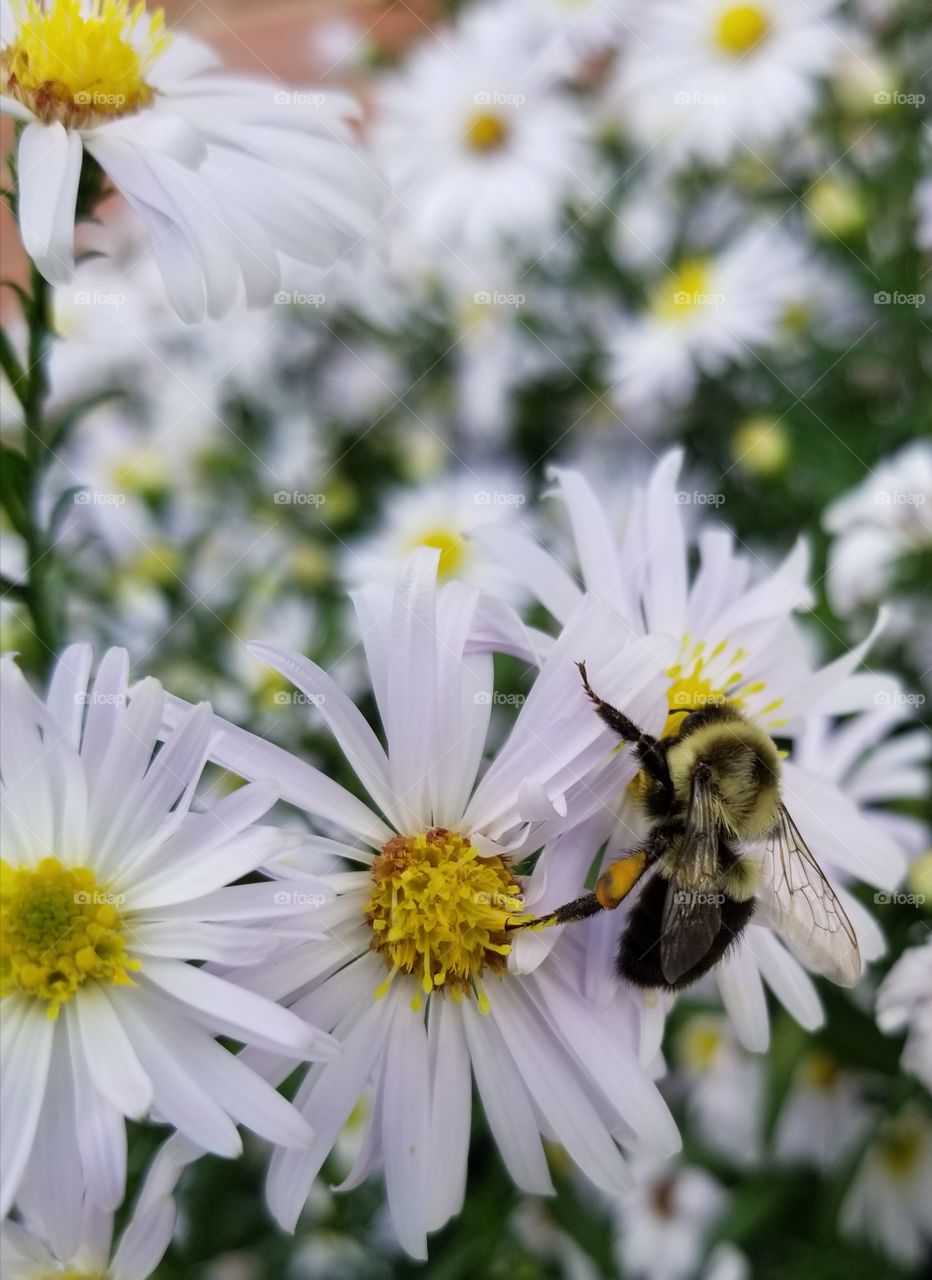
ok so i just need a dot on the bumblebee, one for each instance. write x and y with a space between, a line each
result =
711 790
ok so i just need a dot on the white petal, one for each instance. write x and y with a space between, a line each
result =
307 788
210 850
112 1063
25 1055
507 1106
237 1011
68 689
100 1127
412 686
327 1099
347 724
786 977
48 170
406 1126
144 1241
534 567
182 1100
558 1093
743 997
450 1113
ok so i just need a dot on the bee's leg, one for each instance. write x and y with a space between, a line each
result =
650 752
613 885
616 720
618 879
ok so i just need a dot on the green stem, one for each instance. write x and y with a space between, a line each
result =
40 598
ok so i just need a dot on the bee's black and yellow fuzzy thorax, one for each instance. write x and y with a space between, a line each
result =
743 768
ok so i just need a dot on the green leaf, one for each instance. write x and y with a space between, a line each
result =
9 362
15 488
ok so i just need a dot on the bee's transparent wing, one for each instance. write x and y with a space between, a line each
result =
802 906
691 913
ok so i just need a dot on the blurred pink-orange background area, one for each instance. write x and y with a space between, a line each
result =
290 41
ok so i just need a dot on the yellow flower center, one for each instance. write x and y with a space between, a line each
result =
740 27
450 544
81 63
439 910
683 291
761 446
901 1150
820 1070
58 930
700 1042
73 1275
708 676
486 131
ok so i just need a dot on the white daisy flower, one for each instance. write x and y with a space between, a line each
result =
890 1199
417 983
480 142
706 79
886 517
228 174
709 313
441 514
726 1089
904 1003
740 643
575 32
824 1115
111 882
664 1225
49 1242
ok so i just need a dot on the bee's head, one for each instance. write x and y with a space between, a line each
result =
712 713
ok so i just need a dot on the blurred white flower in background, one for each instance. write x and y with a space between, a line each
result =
663 1226
709 312
50 1241
904 1003
823 1116
885 518
890 1200
441 515
725 1093
481 143
229 174
707 79
110 883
